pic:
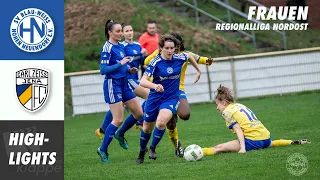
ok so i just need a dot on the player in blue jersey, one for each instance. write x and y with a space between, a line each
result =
162 102
137 55
114 65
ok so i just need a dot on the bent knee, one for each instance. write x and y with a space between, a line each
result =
117 121
184 116
161 122
137 115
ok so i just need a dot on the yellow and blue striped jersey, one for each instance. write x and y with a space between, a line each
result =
199 59
252 128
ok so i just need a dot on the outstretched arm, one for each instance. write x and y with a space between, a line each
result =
240 135
202 59
195 65
106 69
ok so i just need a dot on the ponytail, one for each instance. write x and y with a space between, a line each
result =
109 27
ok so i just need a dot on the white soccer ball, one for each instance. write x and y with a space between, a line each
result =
193 153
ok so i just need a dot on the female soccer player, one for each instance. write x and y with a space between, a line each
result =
251 133
184 108
114 66
163 99
137 55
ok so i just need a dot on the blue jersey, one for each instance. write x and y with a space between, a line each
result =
111 55
133 51
167 73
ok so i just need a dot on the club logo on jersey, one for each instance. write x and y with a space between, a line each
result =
169 70
32 88
122 54
135 52
32 30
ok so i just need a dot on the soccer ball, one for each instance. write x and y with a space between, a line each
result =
193 153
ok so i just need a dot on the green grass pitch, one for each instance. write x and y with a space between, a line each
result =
287 117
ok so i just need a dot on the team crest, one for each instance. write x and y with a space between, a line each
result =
169 70
32 88
32 30
121 54
135 52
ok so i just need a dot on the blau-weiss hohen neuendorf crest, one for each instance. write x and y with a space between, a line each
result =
32 30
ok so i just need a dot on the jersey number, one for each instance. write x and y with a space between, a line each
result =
248 112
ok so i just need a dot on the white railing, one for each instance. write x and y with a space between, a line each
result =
247 75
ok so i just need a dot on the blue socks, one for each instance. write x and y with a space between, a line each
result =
107 120
140 121
144 139
128 123
109 133
157 135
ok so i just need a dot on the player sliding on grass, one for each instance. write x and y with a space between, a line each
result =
251 133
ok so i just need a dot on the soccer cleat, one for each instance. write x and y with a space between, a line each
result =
122 141
179 150
152 153
99 134
140 158
138 126
302 141
103 155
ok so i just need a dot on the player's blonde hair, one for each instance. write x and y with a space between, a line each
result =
224 93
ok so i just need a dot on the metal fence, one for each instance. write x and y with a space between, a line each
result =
230 10
247 75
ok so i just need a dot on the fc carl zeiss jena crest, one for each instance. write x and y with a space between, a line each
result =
32 88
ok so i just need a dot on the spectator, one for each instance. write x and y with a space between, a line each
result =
149 40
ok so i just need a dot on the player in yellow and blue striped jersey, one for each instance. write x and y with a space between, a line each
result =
251 133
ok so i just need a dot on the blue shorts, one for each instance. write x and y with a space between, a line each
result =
116 90
182 95
133 83
257 144
152 108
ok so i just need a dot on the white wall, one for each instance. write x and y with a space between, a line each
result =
254 76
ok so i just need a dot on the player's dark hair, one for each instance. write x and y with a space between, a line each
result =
177 36
124 25
224 93
109 27
169 38
151 22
